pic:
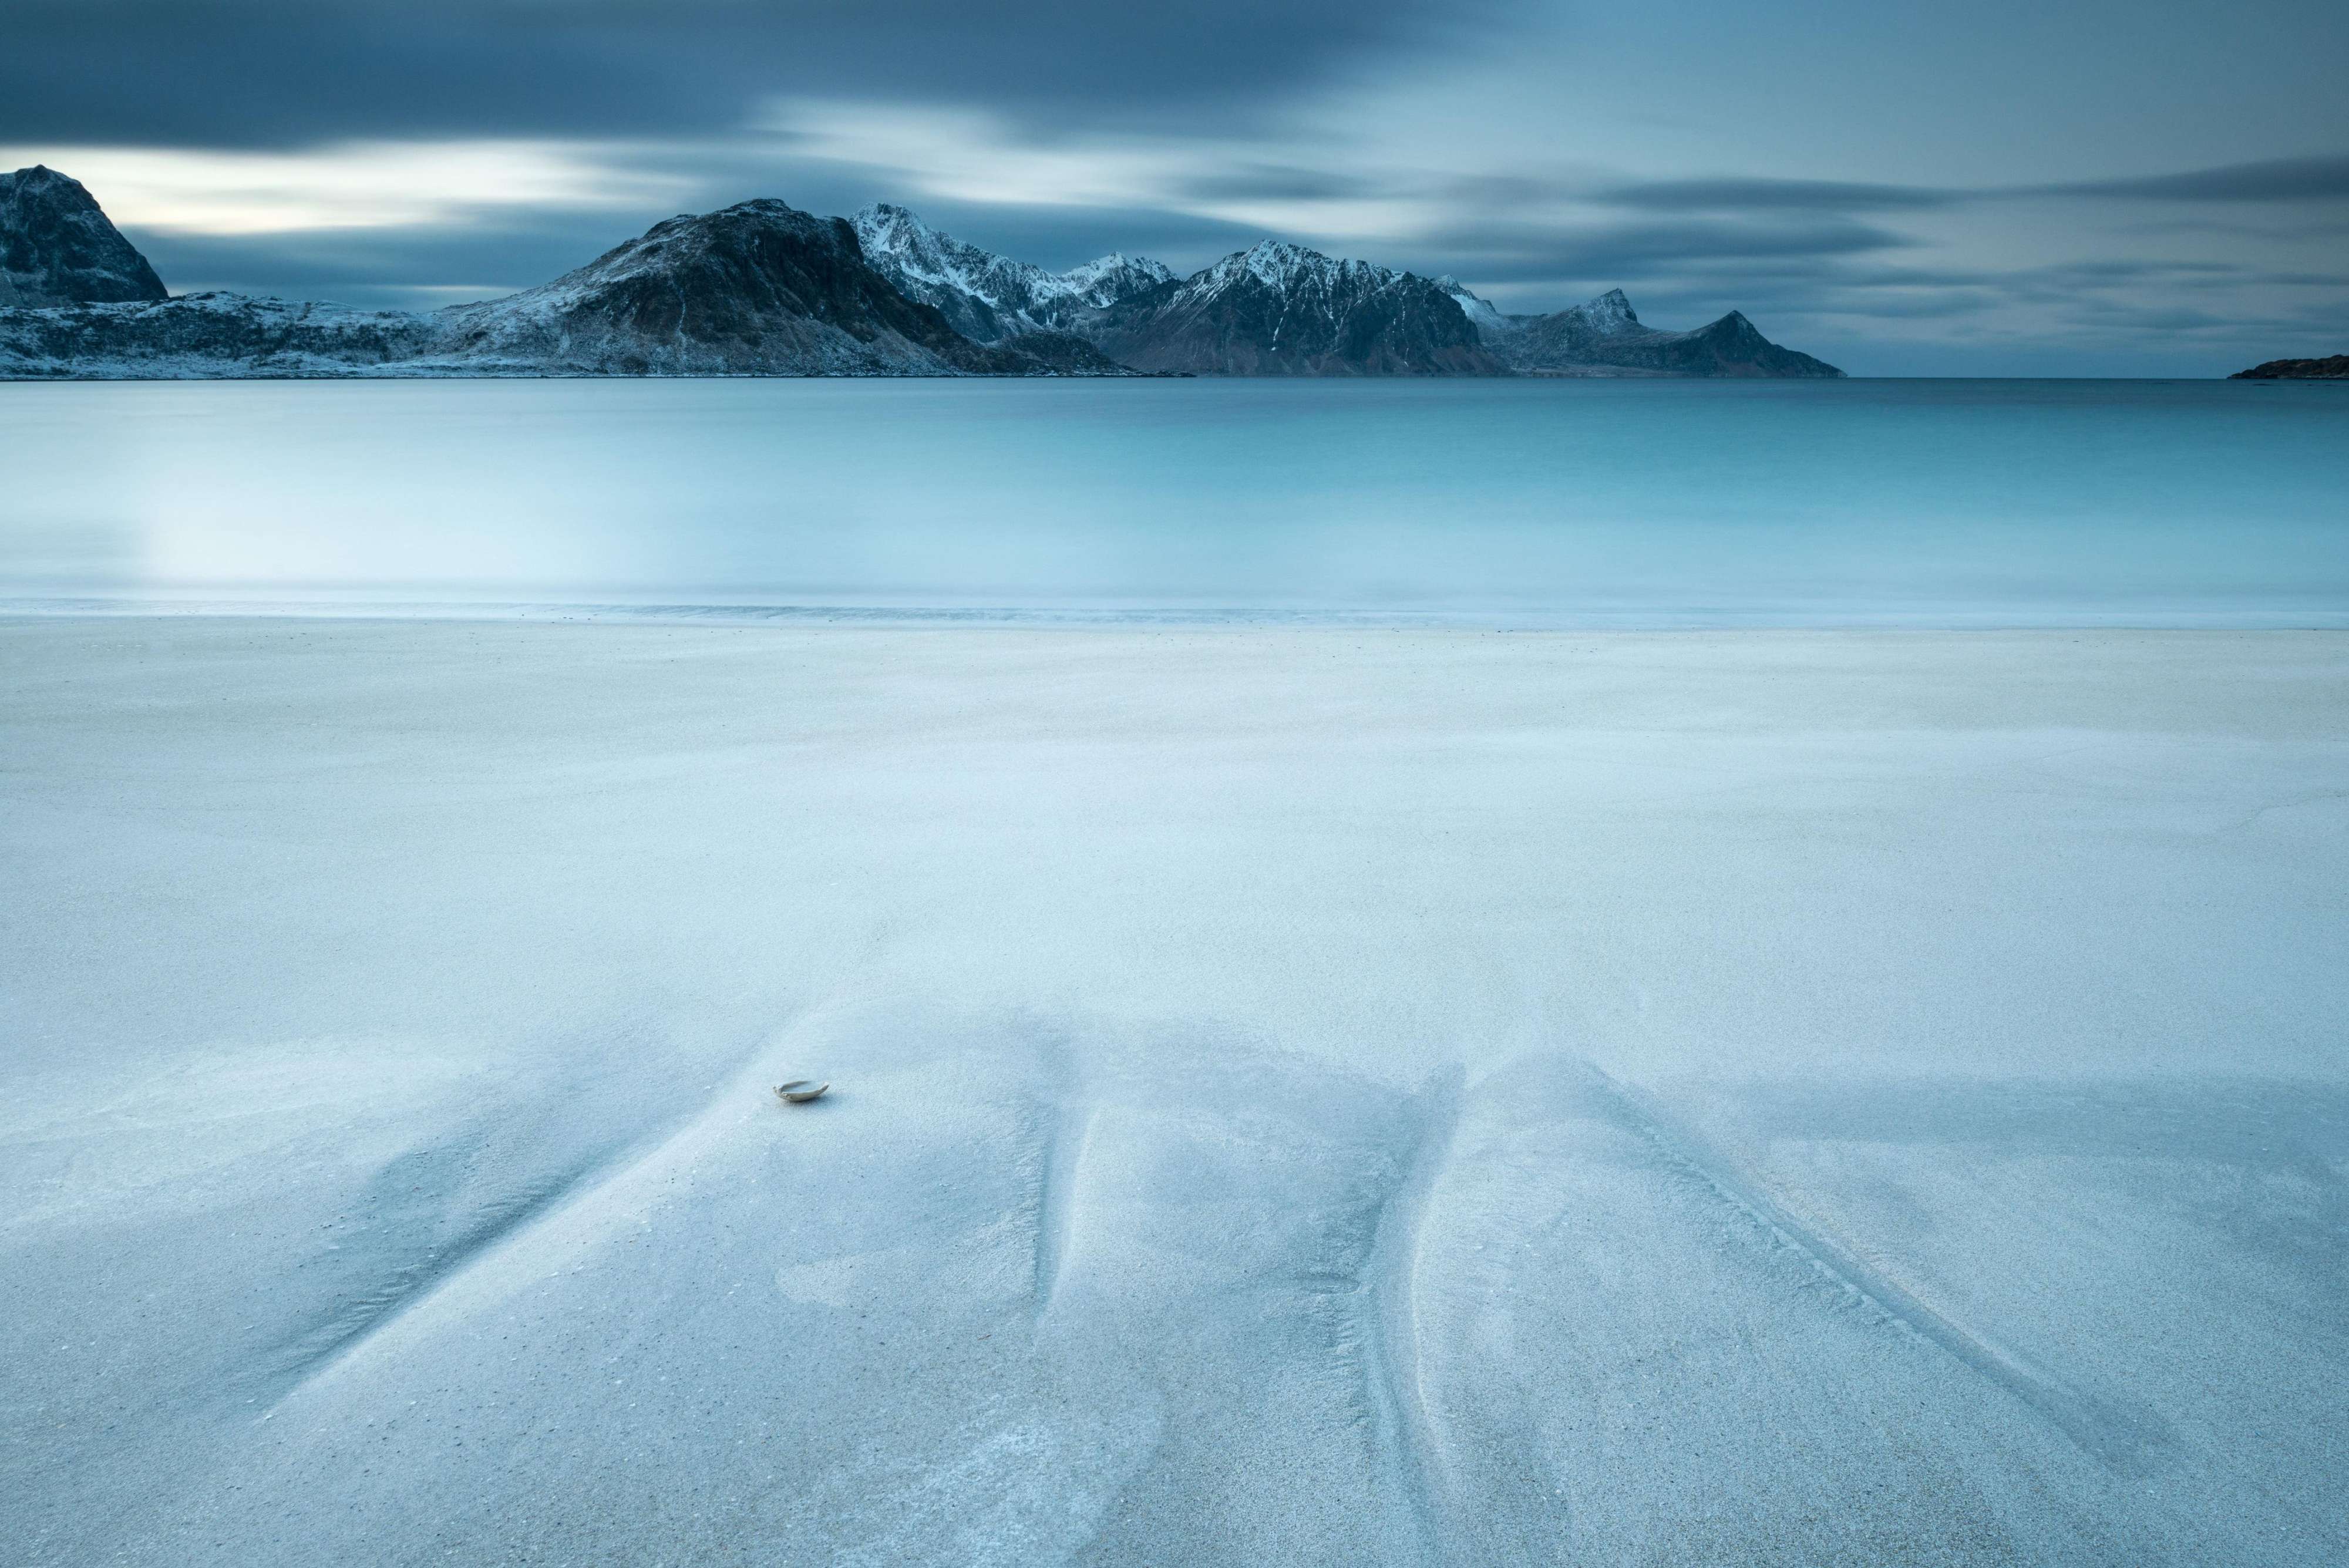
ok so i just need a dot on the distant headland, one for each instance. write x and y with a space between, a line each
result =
2335 368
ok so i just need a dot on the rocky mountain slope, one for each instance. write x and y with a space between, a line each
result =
989 297
57 247
763 289
755 289
2334 368
759 288
213 336
1283 310
1607 337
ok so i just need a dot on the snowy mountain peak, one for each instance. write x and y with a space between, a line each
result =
885 227
991 296
1119 261
1482 313
1611 312
1285 268
1283 309
1107 279
1282 264
891 234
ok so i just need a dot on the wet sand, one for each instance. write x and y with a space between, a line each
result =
1383 1096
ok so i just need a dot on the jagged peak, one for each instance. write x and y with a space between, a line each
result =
1118 262
1612 309
1482 313
940 257
898 231
1735 327
890 220
1282 264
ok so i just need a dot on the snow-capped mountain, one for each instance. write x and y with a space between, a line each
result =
989 297
1107 280
1607 337
755 289
763 289
759 288
57 247
1281 309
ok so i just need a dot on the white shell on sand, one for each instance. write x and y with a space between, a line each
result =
800 1091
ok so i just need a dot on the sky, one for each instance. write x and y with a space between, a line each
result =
2061 187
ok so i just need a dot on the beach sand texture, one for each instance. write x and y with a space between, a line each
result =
1296 1095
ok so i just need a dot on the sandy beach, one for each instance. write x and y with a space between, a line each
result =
1298 1095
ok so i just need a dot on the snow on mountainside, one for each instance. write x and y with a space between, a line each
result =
1607 337
758 289
57 247
1482 313
1280 309
987 296
213 336
1105 280
763 289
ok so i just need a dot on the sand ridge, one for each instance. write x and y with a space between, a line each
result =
1397 1098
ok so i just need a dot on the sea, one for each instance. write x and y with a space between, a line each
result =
1504 504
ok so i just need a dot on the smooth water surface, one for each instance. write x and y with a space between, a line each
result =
1601 503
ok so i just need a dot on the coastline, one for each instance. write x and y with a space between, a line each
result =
1297 1091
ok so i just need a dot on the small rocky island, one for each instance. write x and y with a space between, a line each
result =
2334 369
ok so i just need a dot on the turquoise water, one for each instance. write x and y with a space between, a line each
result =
1626 503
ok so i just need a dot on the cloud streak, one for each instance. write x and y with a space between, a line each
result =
2288 180
2285 180
1730 193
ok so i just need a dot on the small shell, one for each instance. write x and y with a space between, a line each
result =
800 1091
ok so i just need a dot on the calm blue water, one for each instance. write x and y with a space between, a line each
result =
1628 503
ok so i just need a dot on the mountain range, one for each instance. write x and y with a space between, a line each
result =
1606 338
989 297
763 289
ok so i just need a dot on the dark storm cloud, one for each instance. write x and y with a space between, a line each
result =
2090 298
284 73
2288 180
1509 252
2276 180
